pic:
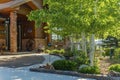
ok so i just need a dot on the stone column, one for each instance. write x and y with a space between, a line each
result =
39 37
13 31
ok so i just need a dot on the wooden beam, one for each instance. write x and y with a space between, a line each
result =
7 10
13 4
38 3
24 10
32 5
4 1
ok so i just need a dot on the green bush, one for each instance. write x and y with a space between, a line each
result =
90 70
117 53
115 67
80 61
68 53
107 52
81 58
64 65
56 51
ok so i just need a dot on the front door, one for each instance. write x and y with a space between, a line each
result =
19 40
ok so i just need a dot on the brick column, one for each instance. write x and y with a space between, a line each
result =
13 31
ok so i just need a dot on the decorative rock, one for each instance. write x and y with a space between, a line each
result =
114 74
82 66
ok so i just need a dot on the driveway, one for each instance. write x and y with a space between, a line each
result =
20 60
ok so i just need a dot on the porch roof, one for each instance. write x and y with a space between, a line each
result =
34 4
22 6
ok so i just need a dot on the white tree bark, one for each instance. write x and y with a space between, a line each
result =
84 48
92 50
71 43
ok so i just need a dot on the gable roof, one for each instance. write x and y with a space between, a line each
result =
15 3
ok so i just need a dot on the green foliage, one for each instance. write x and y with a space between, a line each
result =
74 16
115 67
81 58
38 16
48 51
61 51
68 53
64 65
113 31
90 70
107 52
117 53
56 51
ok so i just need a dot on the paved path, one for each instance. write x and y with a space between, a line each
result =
30 60
14 61
23 73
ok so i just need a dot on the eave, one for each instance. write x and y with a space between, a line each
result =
19 5
35 4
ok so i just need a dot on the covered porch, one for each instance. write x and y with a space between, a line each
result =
16 32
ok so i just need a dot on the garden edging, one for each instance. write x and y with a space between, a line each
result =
71 73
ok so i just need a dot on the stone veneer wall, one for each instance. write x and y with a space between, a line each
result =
36 43
40 41
24 41
2 41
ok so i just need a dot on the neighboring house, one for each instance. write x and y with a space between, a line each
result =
15 30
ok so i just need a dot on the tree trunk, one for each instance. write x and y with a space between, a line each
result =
71 41
84 49
92 50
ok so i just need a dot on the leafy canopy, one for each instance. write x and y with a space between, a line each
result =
66 17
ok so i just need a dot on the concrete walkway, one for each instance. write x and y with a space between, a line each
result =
23 73
20 60
47 59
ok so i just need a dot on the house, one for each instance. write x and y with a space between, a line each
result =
16 32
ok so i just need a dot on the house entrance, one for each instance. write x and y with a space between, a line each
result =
5 35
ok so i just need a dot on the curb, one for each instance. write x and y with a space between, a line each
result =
71 73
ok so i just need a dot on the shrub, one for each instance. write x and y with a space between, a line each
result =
64 65
47 51
90 70
56 51
80 61
117 53
107 52
115 67
81 58
68 53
